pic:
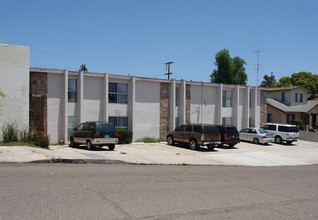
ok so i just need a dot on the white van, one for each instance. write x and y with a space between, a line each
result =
283 132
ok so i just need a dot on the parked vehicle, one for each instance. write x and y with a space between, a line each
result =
283 132
229 135
95 133
195 135
256 135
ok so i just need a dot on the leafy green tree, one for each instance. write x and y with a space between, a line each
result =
283 82
83 68
229 70
268 81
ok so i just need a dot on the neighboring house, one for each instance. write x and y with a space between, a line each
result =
290 103
60 100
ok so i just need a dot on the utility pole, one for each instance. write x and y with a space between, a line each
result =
168 68
257 65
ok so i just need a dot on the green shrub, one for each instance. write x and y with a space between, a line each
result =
124 136
297 122
10 133
148 140
41 139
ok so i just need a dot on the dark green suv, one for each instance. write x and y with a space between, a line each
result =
95 133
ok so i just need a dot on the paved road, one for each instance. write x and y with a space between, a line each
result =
88 191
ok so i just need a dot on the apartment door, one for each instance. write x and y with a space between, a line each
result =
314 121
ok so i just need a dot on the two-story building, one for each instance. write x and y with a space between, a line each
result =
290 103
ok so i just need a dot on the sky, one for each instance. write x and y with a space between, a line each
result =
136 37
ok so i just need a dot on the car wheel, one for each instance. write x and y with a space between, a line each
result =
211 147
170 140
278 140
289 142
256 141
193 145
89 145
111 147
72 144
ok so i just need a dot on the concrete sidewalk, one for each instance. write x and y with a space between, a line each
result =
244 154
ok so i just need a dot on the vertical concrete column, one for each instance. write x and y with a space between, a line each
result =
65 102
218 107
131 103
80 97
182 119
246 108
236 109
172 104
105 97
254 108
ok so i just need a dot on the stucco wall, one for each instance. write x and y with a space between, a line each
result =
14 74
55 107
147 110
209 100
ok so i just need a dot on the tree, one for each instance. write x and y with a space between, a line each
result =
83 68
268 81
229 70
283 82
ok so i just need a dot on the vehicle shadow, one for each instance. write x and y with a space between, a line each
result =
186 147
225 147
83 147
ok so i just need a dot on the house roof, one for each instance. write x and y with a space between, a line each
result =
286 88
304 108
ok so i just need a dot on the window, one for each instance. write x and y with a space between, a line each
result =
189 128
180 128
227 98
269 127
120 122
290 117
284 96
227 121
269 117
177 96
72 90
299 97
71 124
176 122
245 130
118 93
197 129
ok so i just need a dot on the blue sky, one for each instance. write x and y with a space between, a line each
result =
137 36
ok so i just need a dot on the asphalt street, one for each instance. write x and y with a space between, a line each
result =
105 191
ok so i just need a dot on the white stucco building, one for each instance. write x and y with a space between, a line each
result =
149 107
61 99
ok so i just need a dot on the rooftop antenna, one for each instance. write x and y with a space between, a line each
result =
257 65
168 68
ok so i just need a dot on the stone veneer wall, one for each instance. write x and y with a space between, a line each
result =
263 108
188 95
164 109
38 91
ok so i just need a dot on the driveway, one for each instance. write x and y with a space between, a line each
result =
243 154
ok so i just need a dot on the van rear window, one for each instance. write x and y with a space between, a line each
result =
210 129
105 127
232 131
288 129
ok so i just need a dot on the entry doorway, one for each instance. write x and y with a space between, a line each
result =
314 121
